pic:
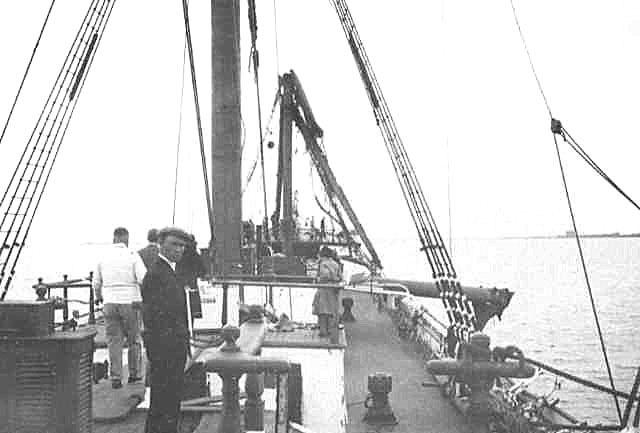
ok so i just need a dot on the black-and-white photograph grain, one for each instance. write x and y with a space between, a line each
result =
319 216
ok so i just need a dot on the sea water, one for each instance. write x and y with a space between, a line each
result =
550 316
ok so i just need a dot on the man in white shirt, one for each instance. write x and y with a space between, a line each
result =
116 282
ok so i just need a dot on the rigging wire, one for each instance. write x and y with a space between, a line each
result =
526 48
580 151
586 276
556 128
26 72
175 184
185 9
267 132
449 201
52 94
64 104
253 24
315 195
430 238
275 31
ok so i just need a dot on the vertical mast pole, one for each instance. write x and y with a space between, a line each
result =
226 133
286 125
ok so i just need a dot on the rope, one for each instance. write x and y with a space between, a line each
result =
26 72
267 131
275 31
586 276
61 105
556 128
175 184
580 151
526 48
253 24
315 195
185 9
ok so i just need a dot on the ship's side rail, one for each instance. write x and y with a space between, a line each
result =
542 414
414 320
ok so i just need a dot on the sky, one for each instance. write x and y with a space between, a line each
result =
454 73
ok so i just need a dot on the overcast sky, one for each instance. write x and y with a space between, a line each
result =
454 74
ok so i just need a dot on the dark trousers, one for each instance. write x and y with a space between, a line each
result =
167 360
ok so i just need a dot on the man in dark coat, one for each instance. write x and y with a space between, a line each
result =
150 252
166 334
189 269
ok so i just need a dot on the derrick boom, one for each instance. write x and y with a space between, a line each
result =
311 132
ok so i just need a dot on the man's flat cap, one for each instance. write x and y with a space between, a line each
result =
173 231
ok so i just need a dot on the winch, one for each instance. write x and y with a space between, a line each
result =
477 368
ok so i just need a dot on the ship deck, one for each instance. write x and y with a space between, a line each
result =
372 346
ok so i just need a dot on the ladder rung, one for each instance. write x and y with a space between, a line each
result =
36 165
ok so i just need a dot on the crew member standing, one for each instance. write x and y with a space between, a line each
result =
150 252
325 301
117 282
166 334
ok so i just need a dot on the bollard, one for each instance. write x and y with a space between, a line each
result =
347 315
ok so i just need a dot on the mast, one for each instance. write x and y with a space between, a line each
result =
226 134
286 170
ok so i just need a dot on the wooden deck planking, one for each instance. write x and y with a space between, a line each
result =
374 346
134 423
301 338
210 422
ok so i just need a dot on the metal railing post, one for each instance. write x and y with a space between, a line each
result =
92 303
225 302
65 295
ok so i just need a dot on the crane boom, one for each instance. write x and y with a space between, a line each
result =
311 132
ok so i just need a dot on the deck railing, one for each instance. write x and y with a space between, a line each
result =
44 291
277 281
240 355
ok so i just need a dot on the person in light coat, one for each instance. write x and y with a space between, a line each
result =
325 301
116 283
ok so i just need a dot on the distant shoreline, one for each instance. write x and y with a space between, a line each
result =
571 235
